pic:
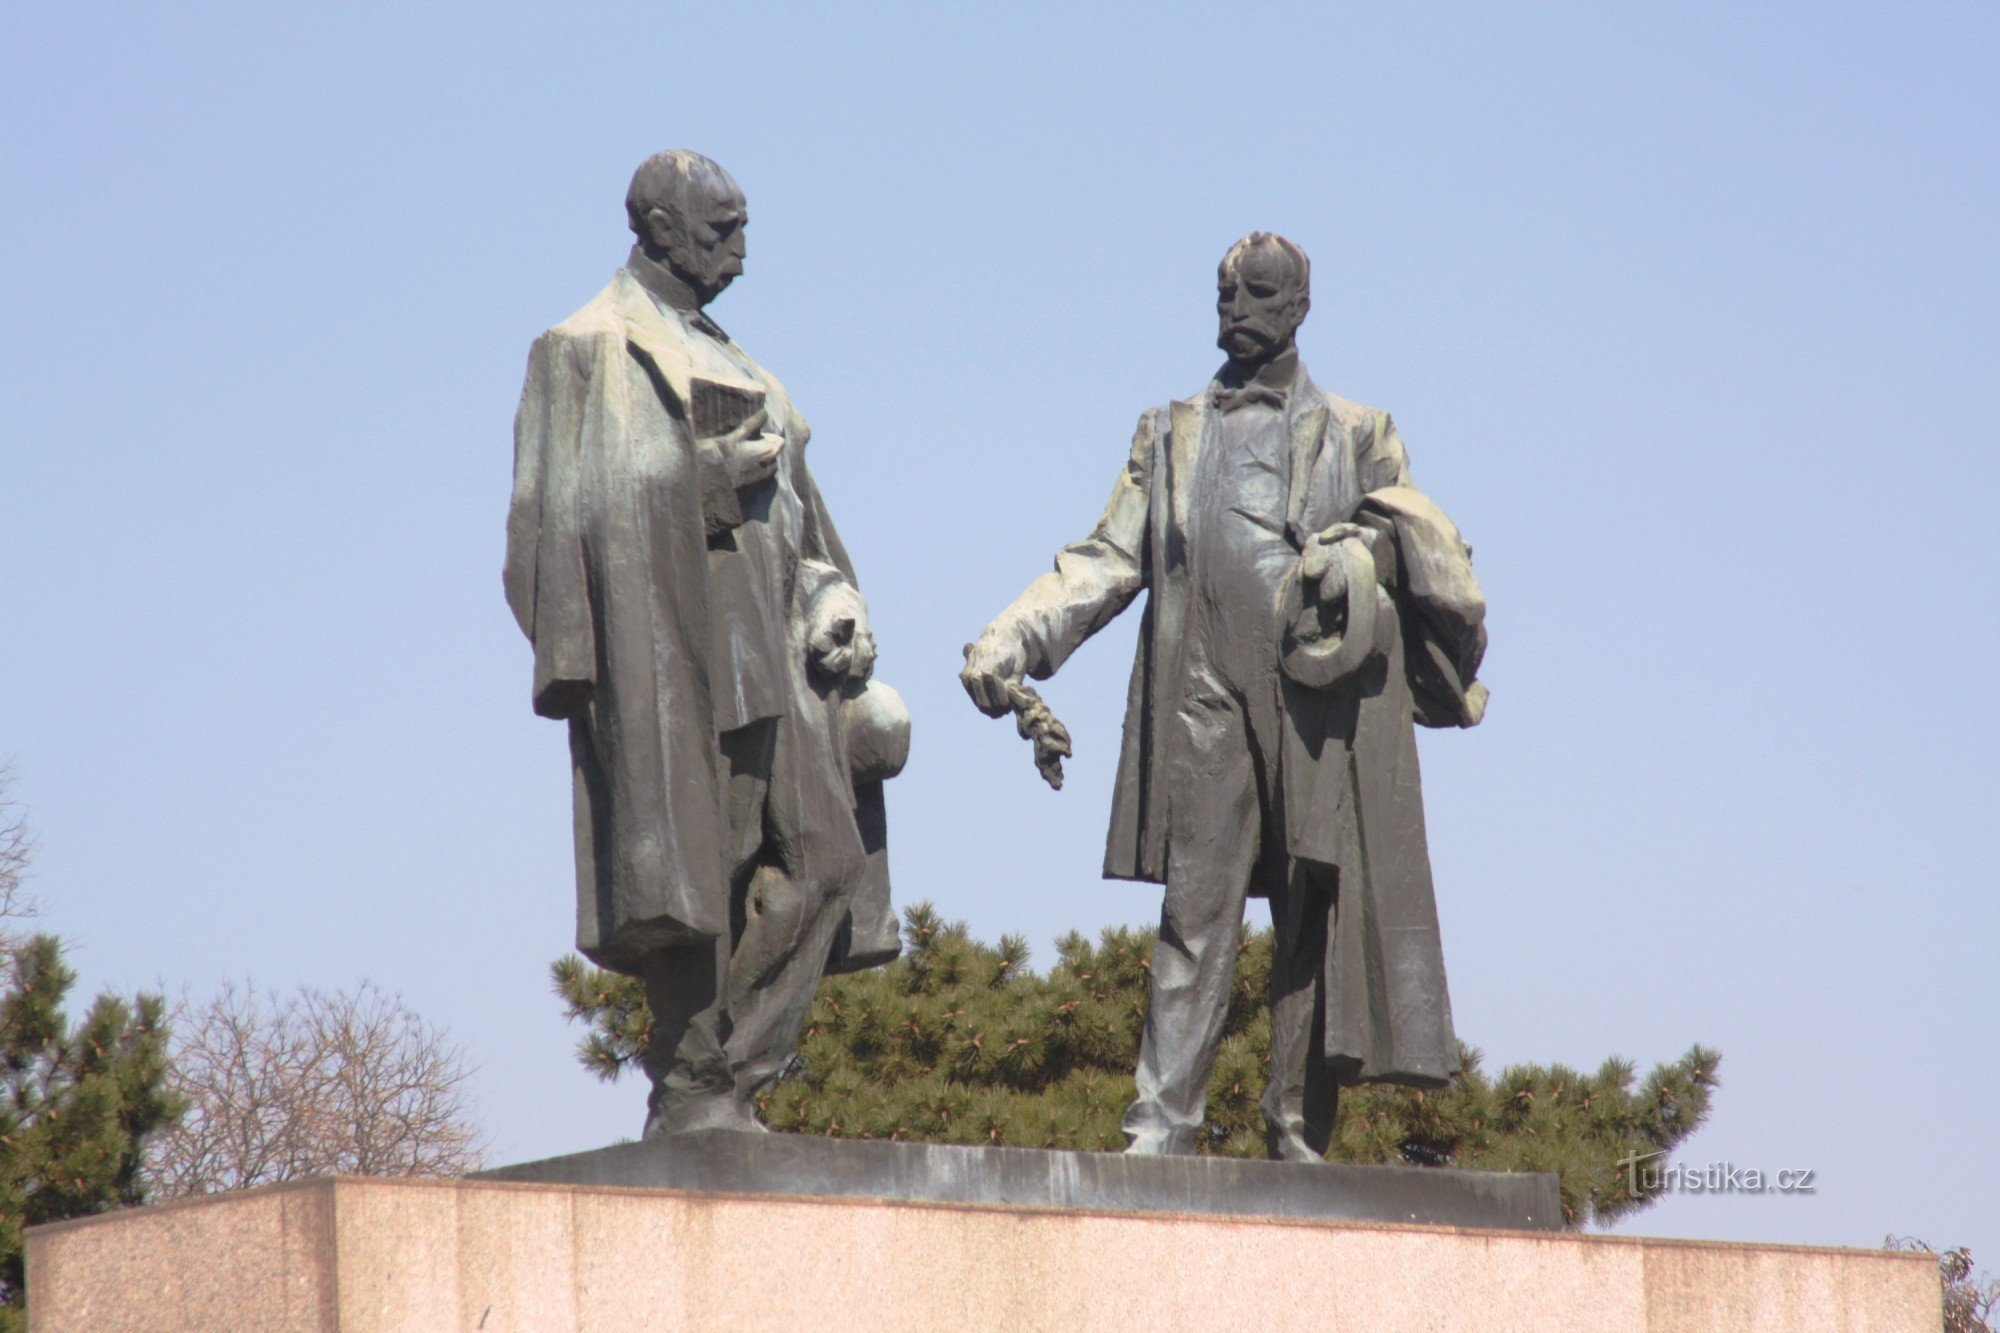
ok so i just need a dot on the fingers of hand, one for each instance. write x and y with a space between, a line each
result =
988 694
863 649
1340 532
750 427
756 461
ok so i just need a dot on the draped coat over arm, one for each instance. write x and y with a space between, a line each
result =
1350 797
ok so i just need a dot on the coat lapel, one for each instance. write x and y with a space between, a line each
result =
1308 427
647 331
1189 420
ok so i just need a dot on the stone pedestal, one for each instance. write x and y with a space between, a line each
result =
362 1256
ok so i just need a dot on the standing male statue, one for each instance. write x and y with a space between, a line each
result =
696 622
1308 605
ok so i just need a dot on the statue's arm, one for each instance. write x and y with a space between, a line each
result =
1093 580
570 393
826 595
1383 461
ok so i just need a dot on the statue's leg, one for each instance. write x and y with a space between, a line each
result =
687 987
788 932
1300 1099
1212 847
692 1087
791 905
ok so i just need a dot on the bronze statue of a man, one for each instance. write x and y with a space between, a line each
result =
696 622
1307 605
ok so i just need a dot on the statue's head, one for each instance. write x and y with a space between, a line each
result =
1263 289
688 214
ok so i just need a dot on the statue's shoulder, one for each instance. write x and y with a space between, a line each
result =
1356 419
1158 422
603 316
595 339
581 344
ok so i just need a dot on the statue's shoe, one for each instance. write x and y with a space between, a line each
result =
1161 1143
1292 1147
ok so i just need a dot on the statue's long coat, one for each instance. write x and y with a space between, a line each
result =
1350 794
610 575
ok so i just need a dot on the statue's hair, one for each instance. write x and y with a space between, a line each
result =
1295 258
671 180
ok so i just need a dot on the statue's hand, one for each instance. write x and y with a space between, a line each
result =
991 666
1324 577
839 644
752 452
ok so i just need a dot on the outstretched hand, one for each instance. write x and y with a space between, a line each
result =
994 672
994 666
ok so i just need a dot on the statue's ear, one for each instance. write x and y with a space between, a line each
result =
663 231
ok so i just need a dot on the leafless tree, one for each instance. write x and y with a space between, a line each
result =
17 848
312 1083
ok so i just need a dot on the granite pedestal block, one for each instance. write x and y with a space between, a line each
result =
369 1256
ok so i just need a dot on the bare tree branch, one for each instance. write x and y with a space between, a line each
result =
17 849
313 1083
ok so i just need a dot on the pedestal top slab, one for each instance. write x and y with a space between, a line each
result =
732 1162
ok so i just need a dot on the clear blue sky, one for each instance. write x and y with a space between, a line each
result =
1690 315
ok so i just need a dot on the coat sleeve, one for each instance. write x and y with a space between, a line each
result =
1096 578
824 567
1382 460
566 398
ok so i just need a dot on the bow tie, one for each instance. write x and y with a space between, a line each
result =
1226 399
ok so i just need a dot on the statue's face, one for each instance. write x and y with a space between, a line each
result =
1258 304
703 239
